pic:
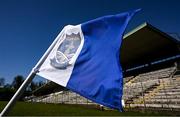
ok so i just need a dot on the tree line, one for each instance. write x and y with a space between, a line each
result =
8 90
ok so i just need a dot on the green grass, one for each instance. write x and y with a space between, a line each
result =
40 109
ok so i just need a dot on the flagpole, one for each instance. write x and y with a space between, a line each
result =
30 77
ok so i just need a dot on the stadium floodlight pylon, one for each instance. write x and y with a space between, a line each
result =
28 80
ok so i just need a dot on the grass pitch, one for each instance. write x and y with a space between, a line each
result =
40 109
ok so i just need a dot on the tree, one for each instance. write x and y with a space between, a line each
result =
18 80
2 81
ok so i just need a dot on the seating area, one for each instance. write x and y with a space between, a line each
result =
65 97
165 94
168 94
127 79
158 74
135 90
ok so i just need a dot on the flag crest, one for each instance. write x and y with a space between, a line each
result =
86 59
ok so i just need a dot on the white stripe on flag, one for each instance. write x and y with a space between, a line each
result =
61 76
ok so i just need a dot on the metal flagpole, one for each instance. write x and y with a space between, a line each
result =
28 80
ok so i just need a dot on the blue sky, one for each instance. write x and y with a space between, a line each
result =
28 27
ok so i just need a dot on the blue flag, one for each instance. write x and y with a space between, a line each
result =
86 59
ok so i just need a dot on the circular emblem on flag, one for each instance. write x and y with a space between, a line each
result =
66 50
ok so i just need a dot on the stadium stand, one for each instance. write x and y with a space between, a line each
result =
165 96
146 84
150 60
158 74
62 97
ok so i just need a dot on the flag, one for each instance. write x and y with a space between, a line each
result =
86 59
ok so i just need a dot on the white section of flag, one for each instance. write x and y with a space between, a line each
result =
61 76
